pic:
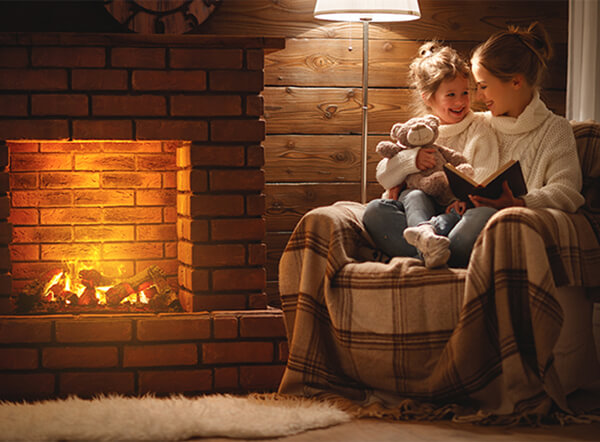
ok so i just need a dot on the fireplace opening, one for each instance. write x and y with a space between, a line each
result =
94 225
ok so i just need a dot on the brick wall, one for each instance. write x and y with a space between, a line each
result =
204 90
147 149
57 356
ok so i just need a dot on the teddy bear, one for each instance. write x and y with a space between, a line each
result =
422 132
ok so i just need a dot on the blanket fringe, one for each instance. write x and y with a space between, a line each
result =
407 409
527 419
291 400
411 409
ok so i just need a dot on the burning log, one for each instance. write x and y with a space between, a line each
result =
92 278
151 276
70 298
88 297
117 293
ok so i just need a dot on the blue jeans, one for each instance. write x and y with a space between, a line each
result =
385 220
421 208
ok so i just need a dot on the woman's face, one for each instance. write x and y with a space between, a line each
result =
451 103
497 95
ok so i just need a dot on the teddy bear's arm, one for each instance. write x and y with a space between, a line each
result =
456 159
452 156
387 149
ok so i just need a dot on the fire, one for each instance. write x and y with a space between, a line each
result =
77 287
80 284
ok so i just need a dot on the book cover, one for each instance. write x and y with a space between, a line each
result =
462 185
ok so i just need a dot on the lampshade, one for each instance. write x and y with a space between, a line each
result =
372 10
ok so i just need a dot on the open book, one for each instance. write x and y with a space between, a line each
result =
462 185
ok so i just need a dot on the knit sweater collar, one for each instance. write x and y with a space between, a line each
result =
450 130
534 114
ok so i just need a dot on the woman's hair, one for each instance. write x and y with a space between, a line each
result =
434 64
516 51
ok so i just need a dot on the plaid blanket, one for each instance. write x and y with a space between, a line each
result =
383 332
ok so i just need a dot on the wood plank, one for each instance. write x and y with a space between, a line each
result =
318 158
465 20
333 110
286 203
276 242
328 62
338 110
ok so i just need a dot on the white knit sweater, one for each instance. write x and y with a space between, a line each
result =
544 144
473 137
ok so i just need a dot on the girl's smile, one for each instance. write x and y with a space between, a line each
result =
450 102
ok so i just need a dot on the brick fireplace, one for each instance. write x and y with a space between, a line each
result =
132 151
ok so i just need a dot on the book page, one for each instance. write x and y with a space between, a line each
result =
499 172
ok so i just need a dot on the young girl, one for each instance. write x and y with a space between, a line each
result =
440 78
508 69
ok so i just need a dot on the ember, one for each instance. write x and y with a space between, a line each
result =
80 289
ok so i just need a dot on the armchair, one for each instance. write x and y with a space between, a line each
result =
509 336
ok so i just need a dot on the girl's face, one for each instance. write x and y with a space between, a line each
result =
451 103
499 96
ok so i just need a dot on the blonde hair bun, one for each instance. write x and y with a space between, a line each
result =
525 51
429 48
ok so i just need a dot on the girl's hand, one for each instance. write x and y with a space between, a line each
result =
507 199
394 193
459 207
425 158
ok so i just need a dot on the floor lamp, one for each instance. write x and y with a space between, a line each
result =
366 11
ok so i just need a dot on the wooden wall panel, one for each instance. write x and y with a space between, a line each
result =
313 91
318 158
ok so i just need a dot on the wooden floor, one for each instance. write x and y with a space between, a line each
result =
372 430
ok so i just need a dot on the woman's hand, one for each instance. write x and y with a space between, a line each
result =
507 199
425 158
459 207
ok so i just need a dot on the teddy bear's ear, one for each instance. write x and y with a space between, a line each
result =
414 120
396 132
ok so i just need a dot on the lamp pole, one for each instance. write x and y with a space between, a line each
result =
366 11
365 109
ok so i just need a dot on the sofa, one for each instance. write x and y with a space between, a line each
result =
506 338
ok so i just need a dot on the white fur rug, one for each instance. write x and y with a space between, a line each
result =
118 418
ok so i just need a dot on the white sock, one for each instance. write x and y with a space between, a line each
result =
434 248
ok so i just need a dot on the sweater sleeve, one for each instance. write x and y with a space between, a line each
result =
393 171
558 161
